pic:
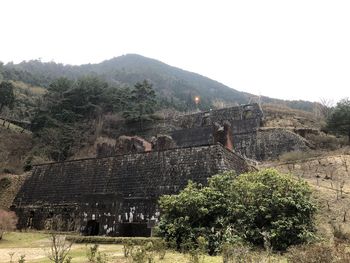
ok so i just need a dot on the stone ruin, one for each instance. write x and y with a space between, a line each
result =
116 193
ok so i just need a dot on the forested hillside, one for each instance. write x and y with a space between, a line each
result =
175 87
69 108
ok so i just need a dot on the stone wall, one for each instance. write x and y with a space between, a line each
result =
272 142
118 194
197 129
243 119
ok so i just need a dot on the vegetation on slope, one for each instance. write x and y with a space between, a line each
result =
14 149
175 87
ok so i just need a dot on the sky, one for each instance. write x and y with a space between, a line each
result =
296 49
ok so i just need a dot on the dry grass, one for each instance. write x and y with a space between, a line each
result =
29 89
320 253
284 117
329 177
298 155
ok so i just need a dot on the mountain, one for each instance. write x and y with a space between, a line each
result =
173 85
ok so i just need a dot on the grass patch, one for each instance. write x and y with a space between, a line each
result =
19 239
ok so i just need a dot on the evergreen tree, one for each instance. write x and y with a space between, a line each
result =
7 96
339 120
142 102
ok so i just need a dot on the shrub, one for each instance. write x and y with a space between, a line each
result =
236 253
128 247
324 141
139 255
59 249
91 252
8 221
196 253
22 259
250 207
4 183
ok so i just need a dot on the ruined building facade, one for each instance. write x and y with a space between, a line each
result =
117 192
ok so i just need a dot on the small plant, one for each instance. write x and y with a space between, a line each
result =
128 247
196 250
4 183
139 255
22 259
149 248
11 254
236 253
101 257
68 260
144 254
160 247
92 252
59 248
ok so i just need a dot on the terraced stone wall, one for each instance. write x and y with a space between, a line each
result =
116 195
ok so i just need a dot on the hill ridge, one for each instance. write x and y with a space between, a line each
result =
174 85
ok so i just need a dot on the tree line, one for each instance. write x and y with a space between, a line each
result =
67 114
69 110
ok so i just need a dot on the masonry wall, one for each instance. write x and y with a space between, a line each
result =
196 129
118 193
271 143
244 118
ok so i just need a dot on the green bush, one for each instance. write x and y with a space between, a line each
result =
252 207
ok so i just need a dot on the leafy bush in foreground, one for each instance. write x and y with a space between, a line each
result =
264 208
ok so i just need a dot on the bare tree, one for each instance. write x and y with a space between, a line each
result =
59 245
59 248
325 107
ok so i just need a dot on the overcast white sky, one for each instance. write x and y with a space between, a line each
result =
296 49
